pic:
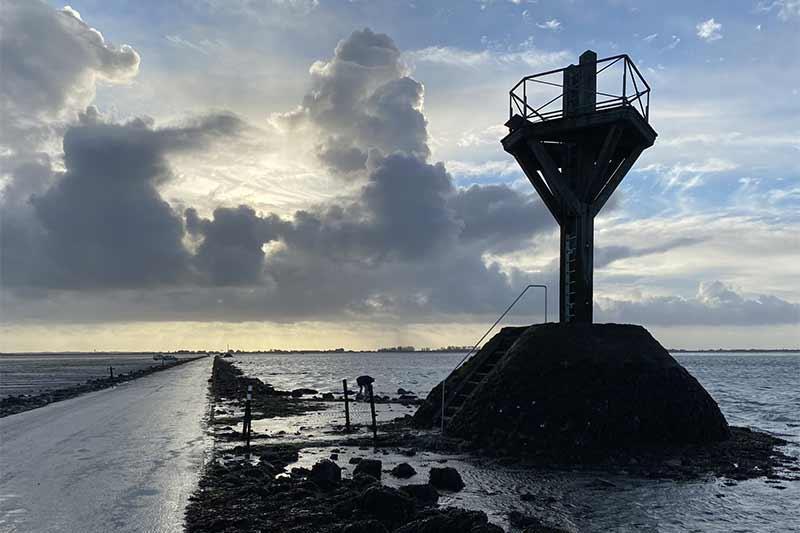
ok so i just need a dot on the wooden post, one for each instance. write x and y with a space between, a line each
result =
346 407
111 371
372 408
246 424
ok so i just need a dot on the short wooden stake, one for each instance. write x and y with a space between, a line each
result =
247 424
346 407
372 408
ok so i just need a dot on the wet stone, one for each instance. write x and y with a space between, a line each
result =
446 478
326 473
371 467
387 504
365 526
424 494
450 520
403 471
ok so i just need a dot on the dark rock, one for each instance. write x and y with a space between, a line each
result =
573 388
361 480
388 505
328 396
450 520
296 393
355 460
446 478
334 457
408 452
326 473
533 524
425 494
365 526
371 467
403 470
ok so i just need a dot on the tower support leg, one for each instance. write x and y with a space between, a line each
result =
577 261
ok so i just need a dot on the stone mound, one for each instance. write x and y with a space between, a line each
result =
578 387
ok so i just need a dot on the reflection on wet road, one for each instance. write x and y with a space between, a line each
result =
120 459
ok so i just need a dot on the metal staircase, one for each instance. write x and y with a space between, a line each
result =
476 377
458 386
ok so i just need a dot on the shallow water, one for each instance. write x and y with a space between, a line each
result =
754 390
35 373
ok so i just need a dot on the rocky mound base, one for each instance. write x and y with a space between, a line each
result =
580 389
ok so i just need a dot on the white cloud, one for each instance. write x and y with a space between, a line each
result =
787 9
650 38
552 24
709 30
459 57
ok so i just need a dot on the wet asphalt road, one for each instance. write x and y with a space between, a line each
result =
121 459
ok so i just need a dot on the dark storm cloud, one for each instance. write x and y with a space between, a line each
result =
605 255
499 217
102 223
231 252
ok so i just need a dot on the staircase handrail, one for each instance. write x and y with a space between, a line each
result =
488 331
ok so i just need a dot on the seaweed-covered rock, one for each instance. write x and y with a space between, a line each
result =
326 473
371 467
365 526
424 494
403 470
446 478
571 388
450 520
386 504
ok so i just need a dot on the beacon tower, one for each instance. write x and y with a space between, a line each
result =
575 148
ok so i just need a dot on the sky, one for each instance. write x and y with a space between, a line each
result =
315 173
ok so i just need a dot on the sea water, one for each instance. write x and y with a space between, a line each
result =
756 390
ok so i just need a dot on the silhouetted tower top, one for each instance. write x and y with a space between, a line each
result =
575 145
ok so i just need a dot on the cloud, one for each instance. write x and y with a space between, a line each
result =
709 30
97 240
52 61
362 100
101 222
715 303
786 9
525 55
403 243
552 25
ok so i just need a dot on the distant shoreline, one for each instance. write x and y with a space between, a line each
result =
381 351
